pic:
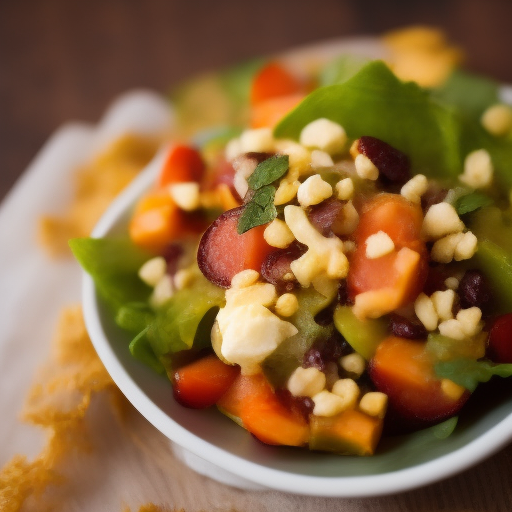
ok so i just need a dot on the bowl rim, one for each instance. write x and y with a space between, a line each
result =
391 482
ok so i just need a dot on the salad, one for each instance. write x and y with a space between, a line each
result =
339 269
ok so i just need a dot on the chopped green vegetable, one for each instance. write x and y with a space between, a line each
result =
113 263
134 316
471 202
268 171
141 350
259 210
177 322
469 373
363 335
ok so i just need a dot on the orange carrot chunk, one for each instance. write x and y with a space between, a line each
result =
252 400
183 164
272 81
202 383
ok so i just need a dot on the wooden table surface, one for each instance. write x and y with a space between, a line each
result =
65 59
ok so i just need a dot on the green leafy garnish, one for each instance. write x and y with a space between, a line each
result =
468 373
268 171
341 69
471 202
259 210
134 316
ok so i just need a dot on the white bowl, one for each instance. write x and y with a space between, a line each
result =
214 445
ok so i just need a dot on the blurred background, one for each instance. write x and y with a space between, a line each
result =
66 60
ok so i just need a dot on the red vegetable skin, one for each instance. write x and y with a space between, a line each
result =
403 370
252 399
202 383
273 81
183 164
223 253
500 339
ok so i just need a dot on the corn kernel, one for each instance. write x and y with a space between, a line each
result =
348 390
443 303
426 312
328 404
365 168
325 135
186 195
353 363
374 404
320 159
286 192
452 329
466 247
497 120
162 292
245 278
345 189
286 305
443 249
278 234
440 220
347 220
306 382
153 270
478 169
313 191
299 158
259 140
470 320
452 283
415 188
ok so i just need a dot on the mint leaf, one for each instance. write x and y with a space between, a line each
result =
471 202
268 171
259 210
468 372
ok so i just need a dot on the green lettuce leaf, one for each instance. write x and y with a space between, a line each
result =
469 373
374 102
113 263
141 350
341 69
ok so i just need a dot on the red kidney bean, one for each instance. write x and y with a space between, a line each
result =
394 166
474 290
404 328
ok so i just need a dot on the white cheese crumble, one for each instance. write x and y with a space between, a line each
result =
440 220
153 270
379 244
278 234
415 188
478 169
313 191
497 119
306 382
345 189
325 135
365 168
186 195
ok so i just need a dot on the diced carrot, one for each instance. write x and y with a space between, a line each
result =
157 221
252 399
226 197
401 273
269 112
202 383
350 433
183 164
272 81
404 370
223 253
